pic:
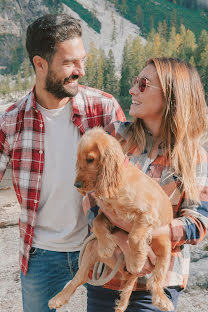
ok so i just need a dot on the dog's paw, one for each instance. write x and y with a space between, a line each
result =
58 301
163 303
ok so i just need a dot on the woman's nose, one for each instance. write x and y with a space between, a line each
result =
134 90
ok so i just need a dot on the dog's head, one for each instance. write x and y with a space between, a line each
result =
100 164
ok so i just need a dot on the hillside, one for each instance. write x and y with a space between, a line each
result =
108 23
147 14
98 23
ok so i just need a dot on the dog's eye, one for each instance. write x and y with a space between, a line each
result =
90 160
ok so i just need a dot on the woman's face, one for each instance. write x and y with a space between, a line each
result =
147 102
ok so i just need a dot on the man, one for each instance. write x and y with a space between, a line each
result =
39 134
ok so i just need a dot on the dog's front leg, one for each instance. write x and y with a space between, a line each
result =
89 258
102 229
139 239
122 303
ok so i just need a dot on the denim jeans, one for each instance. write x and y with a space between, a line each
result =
48 273
103 299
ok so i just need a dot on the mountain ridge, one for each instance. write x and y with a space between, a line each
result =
15 17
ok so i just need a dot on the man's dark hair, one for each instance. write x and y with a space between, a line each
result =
46 32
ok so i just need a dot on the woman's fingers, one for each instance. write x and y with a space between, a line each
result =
121 239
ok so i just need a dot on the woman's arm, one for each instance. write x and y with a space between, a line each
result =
191 225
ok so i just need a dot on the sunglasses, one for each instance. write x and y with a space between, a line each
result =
142 83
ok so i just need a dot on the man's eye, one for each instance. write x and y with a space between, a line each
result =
90 160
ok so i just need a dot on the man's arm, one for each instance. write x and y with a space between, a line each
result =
4 147
117 112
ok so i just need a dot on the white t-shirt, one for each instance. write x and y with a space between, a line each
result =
61 224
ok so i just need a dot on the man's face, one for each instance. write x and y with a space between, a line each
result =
65 69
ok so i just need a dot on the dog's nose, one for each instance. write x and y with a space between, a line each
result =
78 184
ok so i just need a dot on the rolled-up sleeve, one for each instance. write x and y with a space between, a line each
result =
191 226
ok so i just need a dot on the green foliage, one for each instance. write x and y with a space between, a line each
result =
5 85
22 81
87 16
133 61
190 4
157 11
111 81
52 5
94 69
100 69
17 57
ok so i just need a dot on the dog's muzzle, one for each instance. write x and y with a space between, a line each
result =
78 184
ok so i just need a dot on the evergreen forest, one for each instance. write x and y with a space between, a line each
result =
100 69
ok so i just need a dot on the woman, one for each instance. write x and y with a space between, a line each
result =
165 141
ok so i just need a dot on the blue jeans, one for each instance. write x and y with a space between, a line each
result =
48 273
103 299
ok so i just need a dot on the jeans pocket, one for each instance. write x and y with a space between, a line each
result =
33 251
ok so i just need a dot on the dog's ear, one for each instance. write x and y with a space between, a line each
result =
111 167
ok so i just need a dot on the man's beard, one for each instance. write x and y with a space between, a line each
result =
56 86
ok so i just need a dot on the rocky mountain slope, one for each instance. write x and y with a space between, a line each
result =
16 15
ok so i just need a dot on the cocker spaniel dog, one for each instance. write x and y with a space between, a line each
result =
126 191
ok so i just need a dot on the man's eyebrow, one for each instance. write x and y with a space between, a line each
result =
74 59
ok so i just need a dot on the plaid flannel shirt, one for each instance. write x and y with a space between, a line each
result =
22 142
190 219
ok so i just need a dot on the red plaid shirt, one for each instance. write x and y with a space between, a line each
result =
22 142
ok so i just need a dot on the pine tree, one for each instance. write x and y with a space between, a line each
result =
5 87
203 68
111 83
173 43
125 81
99 72
202 43
188 43
139 16
18 82
123 7
114 31
26 73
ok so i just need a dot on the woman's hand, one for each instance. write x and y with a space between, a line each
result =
121 239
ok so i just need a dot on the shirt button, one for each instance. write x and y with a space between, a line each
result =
40 152
35 201
41 125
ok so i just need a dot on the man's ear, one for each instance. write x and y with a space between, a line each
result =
41 65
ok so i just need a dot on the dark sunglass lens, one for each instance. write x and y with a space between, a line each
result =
142 84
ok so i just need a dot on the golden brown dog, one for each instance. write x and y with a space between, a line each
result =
127 192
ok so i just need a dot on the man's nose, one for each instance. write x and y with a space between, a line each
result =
78 184
79 69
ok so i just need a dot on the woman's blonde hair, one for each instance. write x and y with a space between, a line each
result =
184 119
